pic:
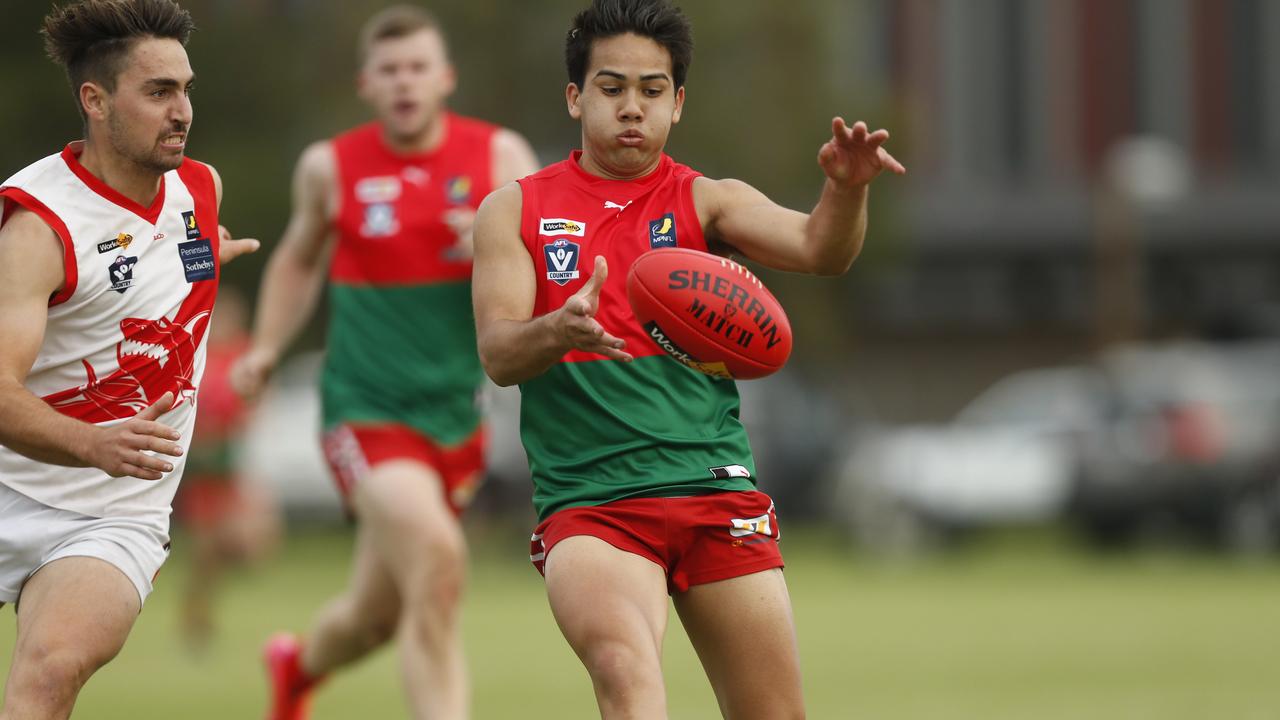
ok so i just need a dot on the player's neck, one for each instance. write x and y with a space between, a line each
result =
431 137
140 185
592 165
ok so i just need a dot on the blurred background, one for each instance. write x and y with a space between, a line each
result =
1027 451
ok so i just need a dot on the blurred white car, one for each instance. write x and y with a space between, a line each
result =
1010 456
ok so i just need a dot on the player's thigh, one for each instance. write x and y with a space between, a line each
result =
76 608
744 633
601 595
402 503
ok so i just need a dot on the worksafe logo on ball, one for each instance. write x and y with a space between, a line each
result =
662 232
562 261
561 226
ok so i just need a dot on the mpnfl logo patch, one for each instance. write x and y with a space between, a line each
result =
190 224
380 221
561 226
662 232
457 190
562 261
742 527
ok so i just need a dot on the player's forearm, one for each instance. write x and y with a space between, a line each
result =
30 427
290 291
513 351
836 228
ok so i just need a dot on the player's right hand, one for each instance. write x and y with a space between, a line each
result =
122 449
250 372
576 320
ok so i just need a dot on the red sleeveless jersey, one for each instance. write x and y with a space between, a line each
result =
570 216
390 222
597 430
402 342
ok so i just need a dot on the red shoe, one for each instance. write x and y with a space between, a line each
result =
290 685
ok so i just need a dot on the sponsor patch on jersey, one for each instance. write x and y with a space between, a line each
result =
457 190
189 221
380 221
561 226
662 232
197 260
729 471
742 527
382 189
121 273
119 242
562 261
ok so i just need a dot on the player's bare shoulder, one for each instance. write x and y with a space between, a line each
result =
499 213
513 157
31 251
315 179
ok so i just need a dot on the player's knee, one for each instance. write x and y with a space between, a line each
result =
59 672
441 576
618 668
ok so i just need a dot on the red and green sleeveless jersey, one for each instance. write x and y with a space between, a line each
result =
402 342
597 430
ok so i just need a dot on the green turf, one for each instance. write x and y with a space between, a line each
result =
1010 629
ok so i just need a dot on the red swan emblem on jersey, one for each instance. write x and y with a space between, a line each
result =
155 357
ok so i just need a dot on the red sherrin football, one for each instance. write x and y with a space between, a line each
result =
709 313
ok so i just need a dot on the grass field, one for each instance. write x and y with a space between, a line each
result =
1020 627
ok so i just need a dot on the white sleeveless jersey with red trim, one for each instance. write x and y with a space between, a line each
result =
128 325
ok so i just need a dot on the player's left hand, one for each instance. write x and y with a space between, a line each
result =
229 249
853 156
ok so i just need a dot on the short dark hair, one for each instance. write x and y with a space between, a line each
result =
396 21
91 38
657 20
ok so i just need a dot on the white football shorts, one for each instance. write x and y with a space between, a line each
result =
33 535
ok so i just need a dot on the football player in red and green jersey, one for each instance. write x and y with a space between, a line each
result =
643 477
385 210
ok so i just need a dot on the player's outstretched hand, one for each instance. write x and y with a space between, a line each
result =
229 248
577 323
123 449
250 372
853 156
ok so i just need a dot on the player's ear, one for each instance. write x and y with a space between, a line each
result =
573 97
94 100
450 79
675 116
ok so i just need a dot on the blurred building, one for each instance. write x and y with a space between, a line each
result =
1013 110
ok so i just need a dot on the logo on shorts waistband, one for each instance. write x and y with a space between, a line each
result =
742 527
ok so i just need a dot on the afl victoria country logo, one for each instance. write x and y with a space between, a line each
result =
562 261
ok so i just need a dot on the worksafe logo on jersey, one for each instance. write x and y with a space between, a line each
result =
197 260
121 273
457 189
562 261
189 221
382 189
662 232
121 241
742 527
561 226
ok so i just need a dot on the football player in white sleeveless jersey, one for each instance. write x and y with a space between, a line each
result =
109 256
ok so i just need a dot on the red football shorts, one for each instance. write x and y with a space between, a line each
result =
696 540
353 450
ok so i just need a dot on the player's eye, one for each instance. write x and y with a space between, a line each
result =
608 90
653 92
